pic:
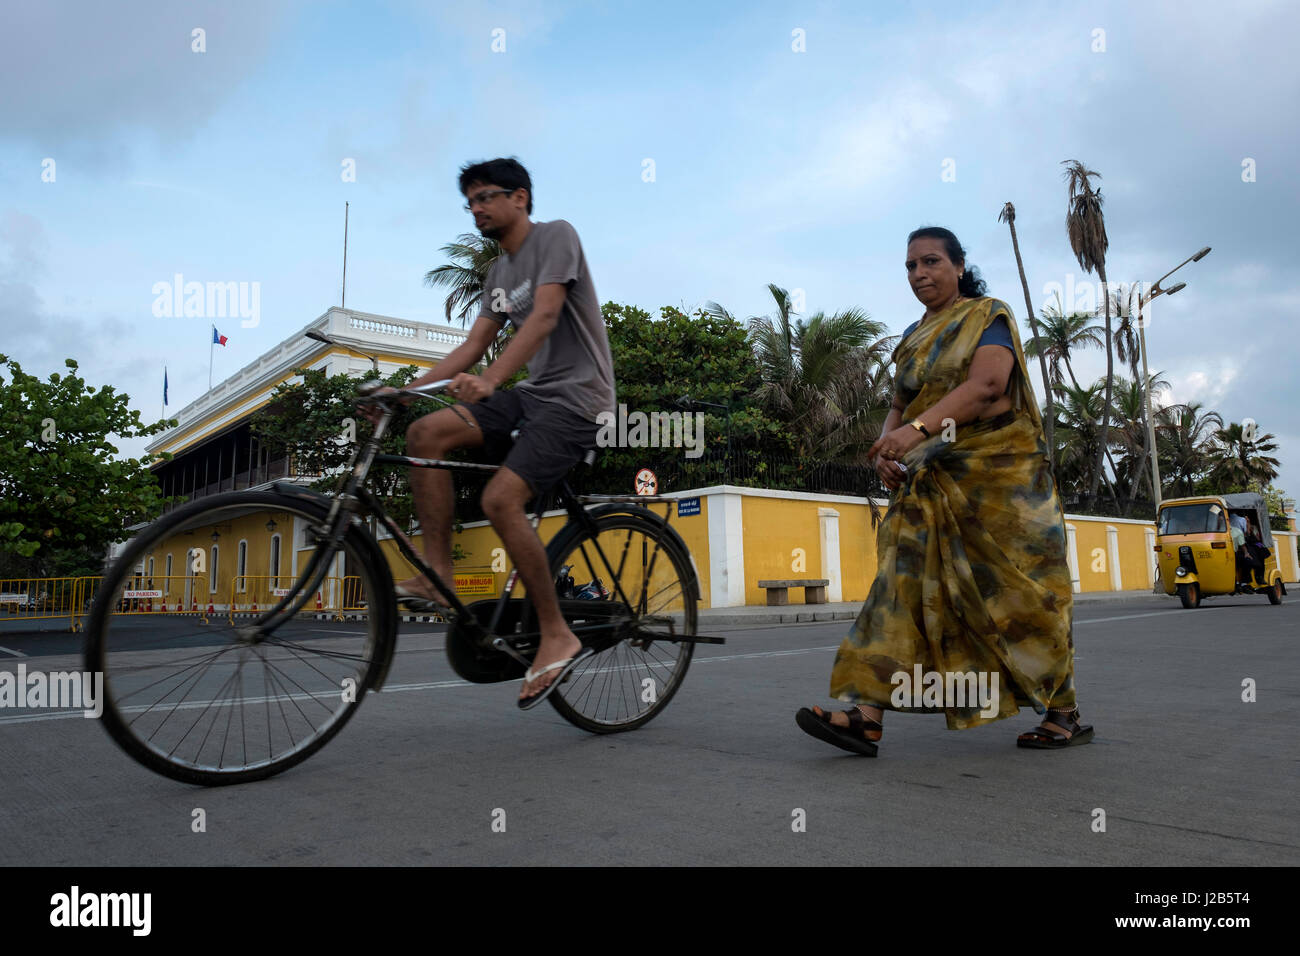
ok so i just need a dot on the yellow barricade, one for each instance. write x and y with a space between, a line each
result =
173 594
32 599
252 594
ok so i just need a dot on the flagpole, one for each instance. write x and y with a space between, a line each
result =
344 303
211 340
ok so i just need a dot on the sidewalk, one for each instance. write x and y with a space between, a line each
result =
848 611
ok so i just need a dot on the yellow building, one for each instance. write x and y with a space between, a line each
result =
214 451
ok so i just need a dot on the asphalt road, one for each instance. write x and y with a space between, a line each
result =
1185 771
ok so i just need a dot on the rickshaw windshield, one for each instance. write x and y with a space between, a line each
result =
1192 519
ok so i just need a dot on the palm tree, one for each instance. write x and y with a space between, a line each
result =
1086 227
825 377
1008 215
1077 432
466 274
1124 305
1185 443
1131 433
1062 334
1080 411
1242 462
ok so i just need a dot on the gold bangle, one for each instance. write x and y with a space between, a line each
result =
920 426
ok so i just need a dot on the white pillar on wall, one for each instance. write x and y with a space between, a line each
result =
1072 557
828 520
1112 555
726 551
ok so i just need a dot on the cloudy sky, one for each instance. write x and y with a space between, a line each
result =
789 143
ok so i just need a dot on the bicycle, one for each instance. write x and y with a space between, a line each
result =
639 615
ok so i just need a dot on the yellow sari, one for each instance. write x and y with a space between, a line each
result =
972 572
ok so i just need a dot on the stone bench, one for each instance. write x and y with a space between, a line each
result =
778 592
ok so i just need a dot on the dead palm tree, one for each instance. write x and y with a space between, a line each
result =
1086 227
1008 215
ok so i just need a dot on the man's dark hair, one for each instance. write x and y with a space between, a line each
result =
502 173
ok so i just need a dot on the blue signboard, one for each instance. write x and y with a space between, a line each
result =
687 507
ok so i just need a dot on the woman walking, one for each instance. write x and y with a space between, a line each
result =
972 578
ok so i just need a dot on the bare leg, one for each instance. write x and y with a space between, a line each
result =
503 501
433 436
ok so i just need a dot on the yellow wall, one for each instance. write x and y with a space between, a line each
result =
776 528
773 529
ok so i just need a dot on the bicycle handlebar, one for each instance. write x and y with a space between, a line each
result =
366 393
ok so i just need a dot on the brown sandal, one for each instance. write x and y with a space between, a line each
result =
852 738
1063 730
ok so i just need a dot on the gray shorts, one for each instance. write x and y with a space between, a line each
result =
552 438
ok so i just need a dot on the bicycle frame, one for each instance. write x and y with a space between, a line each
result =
353 499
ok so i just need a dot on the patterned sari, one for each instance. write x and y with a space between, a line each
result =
972 551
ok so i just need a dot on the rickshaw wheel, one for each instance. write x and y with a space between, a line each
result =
1190 595
1275 593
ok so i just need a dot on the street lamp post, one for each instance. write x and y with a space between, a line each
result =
1146 375
322 337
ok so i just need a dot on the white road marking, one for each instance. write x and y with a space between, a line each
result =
14 653
1125 617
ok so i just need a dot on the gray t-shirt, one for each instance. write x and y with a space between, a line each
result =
574 366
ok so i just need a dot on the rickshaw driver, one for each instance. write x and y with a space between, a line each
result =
1247 560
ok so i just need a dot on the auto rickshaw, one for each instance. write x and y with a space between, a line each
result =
1196 552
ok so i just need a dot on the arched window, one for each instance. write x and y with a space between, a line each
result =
274 568
212 572
150 575
242 566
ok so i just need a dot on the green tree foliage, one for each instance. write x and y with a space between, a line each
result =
64 495
308 420
704 356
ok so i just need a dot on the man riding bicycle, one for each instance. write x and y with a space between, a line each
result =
541 285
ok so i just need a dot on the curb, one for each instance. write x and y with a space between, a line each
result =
804 614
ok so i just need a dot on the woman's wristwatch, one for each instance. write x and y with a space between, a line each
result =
920 426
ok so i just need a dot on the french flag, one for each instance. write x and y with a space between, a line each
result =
217 337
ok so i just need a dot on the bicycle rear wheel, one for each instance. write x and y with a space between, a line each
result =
637 625
193 687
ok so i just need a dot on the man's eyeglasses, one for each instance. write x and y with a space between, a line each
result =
479 199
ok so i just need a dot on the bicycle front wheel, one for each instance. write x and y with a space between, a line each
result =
208 677
633 599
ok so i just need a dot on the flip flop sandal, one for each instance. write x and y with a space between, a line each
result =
1040 738
850 738
528 703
